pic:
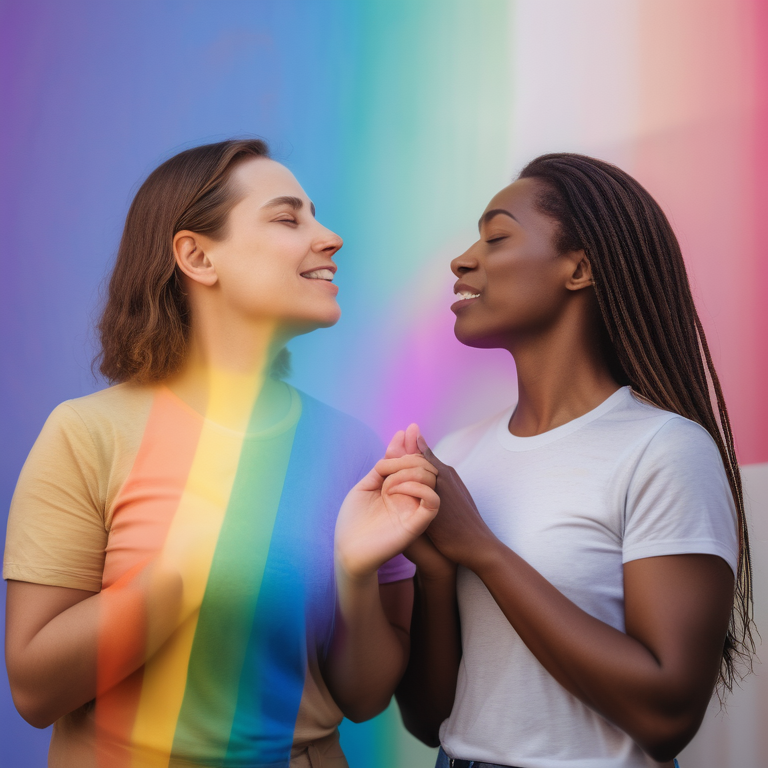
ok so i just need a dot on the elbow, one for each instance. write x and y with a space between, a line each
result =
664 750
360 711
664 739
418 724
32 709
32 702
424 733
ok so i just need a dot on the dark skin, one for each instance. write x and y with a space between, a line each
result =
655 681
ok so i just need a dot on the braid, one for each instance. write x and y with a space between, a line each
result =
651 321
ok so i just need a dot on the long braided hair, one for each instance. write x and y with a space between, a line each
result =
654 338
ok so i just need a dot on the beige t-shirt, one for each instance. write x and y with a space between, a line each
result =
131 475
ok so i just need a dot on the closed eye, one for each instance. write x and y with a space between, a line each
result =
287 220
497 239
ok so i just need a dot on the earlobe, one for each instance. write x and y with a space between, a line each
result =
192 259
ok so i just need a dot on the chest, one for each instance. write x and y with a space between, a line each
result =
563 512
242 521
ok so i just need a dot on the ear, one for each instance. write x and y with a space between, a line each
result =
191 259
581 274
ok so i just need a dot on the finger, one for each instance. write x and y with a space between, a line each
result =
387 467
411 435
417 474
372 481
426 451
396 447
430 501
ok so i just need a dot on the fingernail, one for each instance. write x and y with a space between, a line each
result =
422 443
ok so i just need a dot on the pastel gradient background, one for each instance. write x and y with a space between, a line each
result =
401 118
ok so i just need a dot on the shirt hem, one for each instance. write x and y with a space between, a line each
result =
48 577
681 547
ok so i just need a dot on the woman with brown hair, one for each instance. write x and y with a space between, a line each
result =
174 596
591 538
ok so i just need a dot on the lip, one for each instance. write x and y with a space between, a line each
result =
457 306
462 303
325 285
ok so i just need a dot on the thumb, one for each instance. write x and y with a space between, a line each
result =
427 452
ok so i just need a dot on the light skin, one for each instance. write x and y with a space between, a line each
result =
655 681
266 280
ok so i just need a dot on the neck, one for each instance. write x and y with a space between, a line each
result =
561 375
226 376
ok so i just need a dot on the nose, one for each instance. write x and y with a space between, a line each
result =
327 242
464 263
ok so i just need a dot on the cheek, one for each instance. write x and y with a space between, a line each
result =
259 269
268 286
519 294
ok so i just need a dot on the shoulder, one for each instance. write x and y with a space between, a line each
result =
668 436
455 446
109 403
93 423
641 430
121 408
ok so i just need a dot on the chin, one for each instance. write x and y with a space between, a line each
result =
303 325
470 338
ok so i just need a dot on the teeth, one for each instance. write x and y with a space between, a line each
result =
466 295
319 274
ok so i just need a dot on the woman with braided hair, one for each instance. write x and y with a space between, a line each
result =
586 584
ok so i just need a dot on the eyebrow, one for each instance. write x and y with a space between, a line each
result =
295 202
488 215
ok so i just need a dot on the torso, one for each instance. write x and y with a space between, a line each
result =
575 503
248 520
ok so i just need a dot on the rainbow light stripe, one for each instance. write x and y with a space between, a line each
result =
247 520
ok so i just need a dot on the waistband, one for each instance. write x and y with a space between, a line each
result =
455 762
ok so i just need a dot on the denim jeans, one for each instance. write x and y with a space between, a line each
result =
443 761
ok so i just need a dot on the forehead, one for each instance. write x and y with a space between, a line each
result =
261 179
518 198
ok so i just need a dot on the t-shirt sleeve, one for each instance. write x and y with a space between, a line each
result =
399 567
56 534
679 500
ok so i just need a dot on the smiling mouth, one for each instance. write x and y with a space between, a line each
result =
319 274
465 297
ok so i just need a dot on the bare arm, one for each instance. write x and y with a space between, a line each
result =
381 516
428 688
50 649
371 646
55 637
655 680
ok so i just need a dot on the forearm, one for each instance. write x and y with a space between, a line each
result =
368 654
607 669
428 688
59 662
55 672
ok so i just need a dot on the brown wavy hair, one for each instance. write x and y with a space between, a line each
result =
654 337
144 328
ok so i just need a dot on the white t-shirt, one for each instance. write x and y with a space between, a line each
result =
623 482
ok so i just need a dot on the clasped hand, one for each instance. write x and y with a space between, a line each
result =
395 508
385 512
